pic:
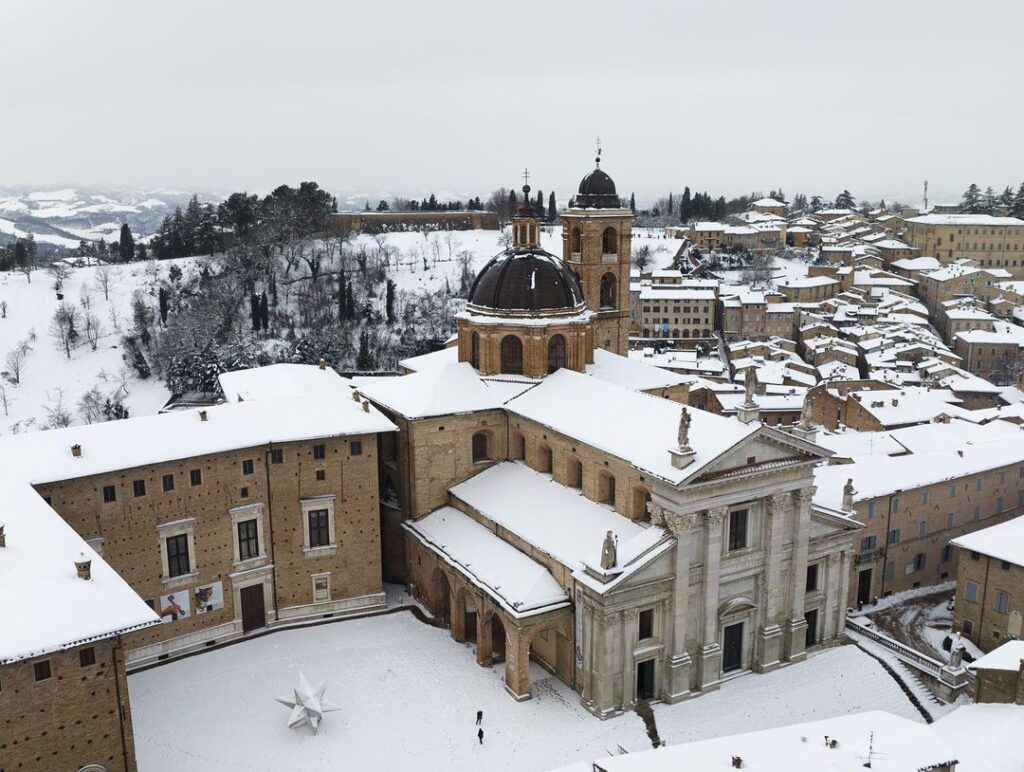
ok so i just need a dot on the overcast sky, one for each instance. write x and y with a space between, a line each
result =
460 96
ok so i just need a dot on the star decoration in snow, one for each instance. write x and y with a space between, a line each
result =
308 704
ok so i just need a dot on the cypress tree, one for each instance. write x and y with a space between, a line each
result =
164 298
126 244
632 202
552 210
1018 203
389 302
264 312
364 360
254 311
342 312
350 303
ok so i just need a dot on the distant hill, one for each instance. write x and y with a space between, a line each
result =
61 218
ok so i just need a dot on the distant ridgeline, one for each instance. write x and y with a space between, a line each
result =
385 222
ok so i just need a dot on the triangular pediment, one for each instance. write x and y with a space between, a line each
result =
762 451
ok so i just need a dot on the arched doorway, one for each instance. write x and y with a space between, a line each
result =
474 350
575 241
610 242
441 593
608 294
511 355
556 353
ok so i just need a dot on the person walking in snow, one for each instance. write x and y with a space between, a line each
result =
479 717
480 735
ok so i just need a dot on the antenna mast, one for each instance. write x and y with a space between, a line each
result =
926 195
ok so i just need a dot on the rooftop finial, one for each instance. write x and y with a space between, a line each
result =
598 159
526 181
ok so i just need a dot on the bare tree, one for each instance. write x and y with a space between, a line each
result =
3 309
93 330
500 205
642 256
64 327
90 406
15 362
57 415
5 399
59 272
103 278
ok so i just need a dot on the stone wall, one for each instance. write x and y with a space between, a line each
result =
80 715
980 620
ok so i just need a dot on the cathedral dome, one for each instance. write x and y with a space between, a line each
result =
597 191
526 279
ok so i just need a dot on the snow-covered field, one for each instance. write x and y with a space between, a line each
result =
418 263
409 695
48 375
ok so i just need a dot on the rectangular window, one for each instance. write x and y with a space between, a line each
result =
244 492
949 520
319 452
42 670
977 512
922 529
1002 602
919 561
971 591
248 540
138 488
645 624
276 456
999 504
947 553
968 627
924 497
895 503
355 448
812 578
867 544
893 537
109 494
321 474
952 491
1005 565
167 481
195 477
871 510
737 529
977 484
86 657
247 466
177 555
890 569
319 532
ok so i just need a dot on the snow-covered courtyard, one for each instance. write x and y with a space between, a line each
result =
409 696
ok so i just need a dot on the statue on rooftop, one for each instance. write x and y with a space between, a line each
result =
848 495
683 436
608 552
749 381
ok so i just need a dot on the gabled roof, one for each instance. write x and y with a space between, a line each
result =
448 390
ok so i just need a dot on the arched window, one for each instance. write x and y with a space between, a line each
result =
610 242
608 299
556 353
511 355
545 459
606 489
518 446
675 333
575 241
686 333
707 333
480 446
474 350
575 473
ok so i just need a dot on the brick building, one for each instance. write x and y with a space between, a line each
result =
994 242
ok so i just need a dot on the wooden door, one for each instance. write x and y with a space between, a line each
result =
732 653
864 586
254 613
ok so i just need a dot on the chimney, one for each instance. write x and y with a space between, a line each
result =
83 566
355 394
76 450
366 407
202 415
322 363
3 536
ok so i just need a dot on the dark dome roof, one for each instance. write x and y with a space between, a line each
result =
597 191
526 280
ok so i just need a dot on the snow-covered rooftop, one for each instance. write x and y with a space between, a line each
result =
44 606
558 520
631 373
448 390
520 584
284 381
638 428
1004 541
964 219
42 457
1008 656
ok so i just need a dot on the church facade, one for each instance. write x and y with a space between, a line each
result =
553 514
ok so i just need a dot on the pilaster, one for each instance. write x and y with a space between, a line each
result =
679 664
796 626
711 652
769 635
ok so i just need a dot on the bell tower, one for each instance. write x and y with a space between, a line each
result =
596 244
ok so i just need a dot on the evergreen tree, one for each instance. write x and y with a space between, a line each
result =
989 201
632 202
513 205
1017 210
389 302
539 205
1006 197
552 209
971 202
264 312
350 303
143 253
164 298
364 360
126 245
686 206
671 204
845 200
799 203
254 311
815 204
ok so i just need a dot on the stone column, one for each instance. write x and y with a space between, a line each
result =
711 651
769 634
796 641
484 641
833 603
517 663
458 610
677 682
627 664
844 589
